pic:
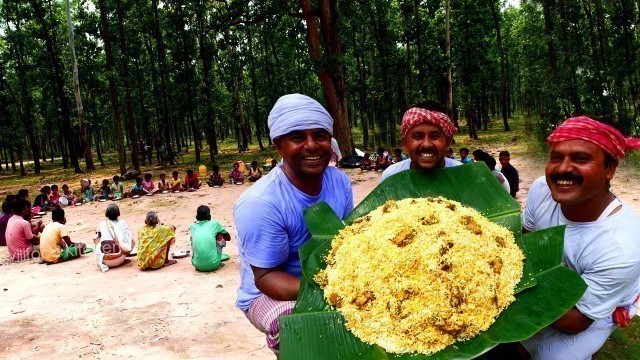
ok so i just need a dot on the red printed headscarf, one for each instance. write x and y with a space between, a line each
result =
418 116
604 136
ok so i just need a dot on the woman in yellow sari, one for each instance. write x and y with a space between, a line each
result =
154 242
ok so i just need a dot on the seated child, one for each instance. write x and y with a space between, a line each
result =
105 191
42 200
54 198
86 190
69 196
366 163
137 189
464 156
274 163
254 172
117 188
163 185
191 181
449 153
382 160
397 155
236 176
176 182
208 237
215 178
55 244
148 186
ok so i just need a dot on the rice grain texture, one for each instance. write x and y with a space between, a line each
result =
417 275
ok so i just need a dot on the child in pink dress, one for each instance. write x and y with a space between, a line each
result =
148 185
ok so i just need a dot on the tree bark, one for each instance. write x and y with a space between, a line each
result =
88 158
254 91
503 68
332 76
56 65
131 125
449 76
24 110
205 57
113 91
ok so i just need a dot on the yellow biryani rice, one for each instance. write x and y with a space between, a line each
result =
419 274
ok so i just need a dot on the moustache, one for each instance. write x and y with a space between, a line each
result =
430 149
555 177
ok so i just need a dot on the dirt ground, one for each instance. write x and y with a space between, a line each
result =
74 310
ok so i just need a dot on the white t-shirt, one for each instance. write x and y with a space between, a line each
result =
121 231
504 182
406 165
606 254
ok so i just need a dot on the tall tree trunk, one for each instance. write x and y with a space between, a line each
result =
88 158
49 33
205 57
331 77
449 76
25 111
131 124
421 72
503 68
113 91
164 74
254 91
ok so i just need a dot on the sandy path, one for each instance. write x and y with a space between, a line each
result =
74 310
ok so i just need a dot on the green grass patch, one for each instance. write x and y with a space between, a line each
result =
623 343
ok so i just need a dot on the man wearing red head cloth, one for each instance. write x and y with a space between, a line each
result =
600 242
426 136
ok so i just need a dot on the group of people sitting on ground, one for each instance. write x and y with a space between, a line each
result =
600 239
114 241
238 174
382 160
22 234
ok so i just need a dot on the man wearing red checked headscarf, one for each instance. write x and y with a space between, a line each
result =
601 239
426 136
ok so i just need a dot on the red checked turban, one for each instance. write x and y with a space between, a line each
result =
604 136
418 116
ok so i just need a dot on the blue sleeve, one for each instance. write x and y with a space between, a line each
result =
349 203
261 232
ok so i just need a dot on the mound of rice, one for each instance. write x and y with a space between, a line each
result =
419 274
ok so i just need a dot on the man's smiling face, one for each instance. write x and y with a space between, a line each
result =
426 145
577 172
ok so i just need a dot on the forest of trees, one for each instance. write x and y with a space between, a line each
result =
81 78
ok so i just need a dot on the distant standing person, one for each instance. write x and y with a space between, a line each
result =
509 172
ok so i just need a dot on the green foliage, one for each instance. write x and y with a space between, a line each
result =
235 58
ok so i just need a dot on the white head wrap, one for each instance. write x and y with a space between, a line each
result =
296 112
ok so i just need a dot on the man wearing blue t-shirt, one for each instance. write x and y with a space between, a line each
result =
269 215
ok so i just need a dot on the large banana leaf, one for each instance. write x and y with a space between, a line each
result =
546 291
